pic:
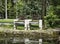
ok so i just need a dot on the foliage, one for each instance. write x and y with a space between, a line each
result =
51 17
30 9
22 7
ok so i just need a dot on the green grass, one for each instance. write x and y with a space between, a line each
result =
6 20
11 20
19 27
35 20
34 27
7 26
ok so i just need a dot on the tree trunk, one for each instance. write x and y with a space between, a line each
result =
43 12
5 9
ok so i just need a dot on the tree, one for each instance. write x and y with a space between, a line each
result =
52 15
6 9
2 9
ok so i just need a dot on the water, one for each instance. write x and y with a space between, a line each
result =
14 41
30 42
18 40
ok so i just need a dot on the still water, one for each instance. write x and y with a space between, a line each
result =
15 41
30 42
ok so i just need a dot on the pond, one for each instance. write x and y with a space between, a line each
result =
23 42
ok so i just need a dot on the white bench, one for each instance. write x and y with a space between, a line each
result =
27 22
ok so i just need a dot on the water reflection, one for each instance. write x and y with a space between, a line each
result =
11 41
22 41
16 41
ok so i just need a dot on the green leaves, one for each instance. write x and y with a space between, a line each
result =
51 17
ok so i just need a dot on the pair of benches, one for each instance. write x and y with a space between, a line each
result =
27 23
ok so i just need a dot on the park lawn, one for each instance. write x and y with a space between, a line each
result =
9 20
34 27
35 20
20 27
12 27
6 26
6 20
12 20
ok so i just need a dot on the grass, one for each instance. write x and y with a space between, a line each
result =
6 20
7 26
20 27
35 20
9 20
12 20
34 27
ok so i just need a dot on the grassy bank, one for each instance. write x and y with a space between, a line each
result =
6 20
